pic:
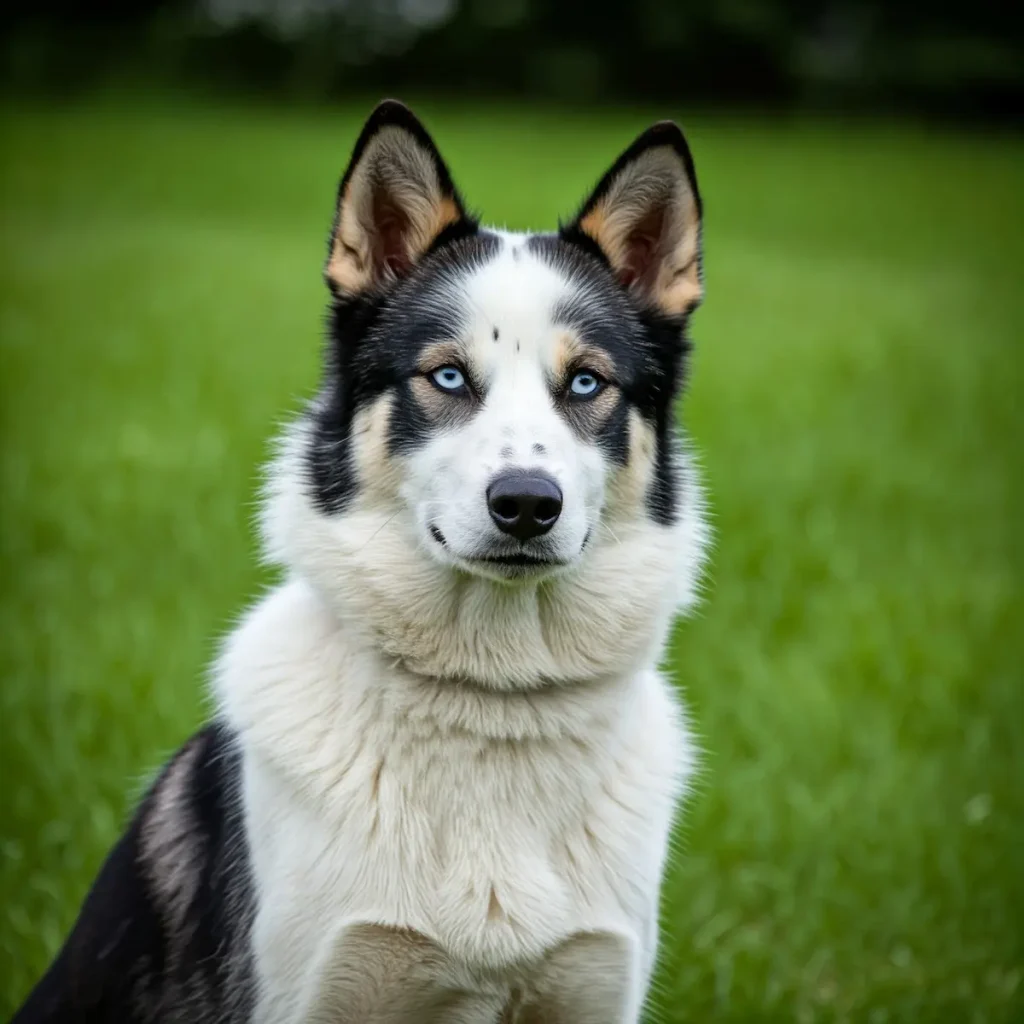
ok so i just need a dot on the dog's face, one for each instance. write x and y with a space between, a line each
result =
507 477
498 407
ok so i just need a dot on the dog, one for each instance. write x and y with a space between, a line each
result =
444 767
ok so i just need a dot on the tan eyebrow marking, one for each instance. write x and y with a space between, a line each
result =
571 351
438 353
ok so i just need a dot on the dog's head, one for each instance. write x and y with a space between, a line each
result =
492 457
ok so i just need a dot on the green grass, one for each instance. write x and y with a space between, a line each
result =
855 850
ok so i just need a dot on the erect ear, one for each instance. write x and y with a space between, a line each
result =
645 216
394 201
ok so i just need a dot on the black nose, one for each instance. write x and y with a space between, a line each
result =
524 503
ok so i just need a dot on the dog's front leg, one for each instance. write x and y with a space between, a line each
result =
370 974
591 978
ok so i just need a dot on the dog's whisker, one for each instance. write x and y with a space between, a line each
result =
389 519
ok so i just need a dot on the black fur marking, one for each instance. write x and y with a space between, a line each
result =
614 433
141 953
495 334
648 349
353 375
374 344
461 229
574 235
661 371
539 449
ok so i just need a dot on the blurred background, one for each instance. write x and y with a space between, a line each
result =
855 847
944 58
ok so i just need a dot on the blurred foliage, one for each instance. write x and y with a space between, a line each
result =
941 57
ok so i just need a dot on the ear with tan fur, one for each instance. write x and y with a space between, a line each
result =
645 217
394 202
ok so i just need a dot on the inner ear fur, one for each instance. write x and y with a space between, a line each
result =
645 217
394 201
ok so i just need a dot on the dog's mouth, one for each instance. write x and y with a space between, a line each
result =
517 564
517 559
507 563
512 567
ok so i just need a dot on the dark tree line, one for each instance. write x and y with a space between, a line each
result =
943 57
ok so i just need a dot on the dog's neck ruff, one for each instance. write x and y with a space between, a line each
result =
607 617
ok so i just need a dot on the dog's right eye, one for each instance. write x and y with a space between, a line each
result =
449 378
585 384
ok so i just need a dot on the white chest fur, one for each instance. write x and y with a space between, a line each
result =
495 825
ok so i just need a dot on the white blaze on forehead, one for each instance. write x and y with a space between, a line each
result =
515 294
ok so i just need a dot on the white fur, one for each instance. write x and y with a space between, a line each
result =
459 791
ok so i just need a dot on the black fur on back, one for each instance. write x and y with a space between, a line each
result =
153 946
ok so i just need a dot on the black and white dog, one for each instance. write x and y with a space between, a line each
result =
444 770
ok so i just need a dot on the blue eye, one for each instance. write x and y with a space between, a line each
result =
448 378
585 384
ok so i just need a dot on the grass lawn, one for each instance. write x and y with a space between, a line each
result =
855 850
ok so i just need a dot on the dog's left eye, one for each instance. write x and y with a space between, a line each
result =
585 384
448 378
